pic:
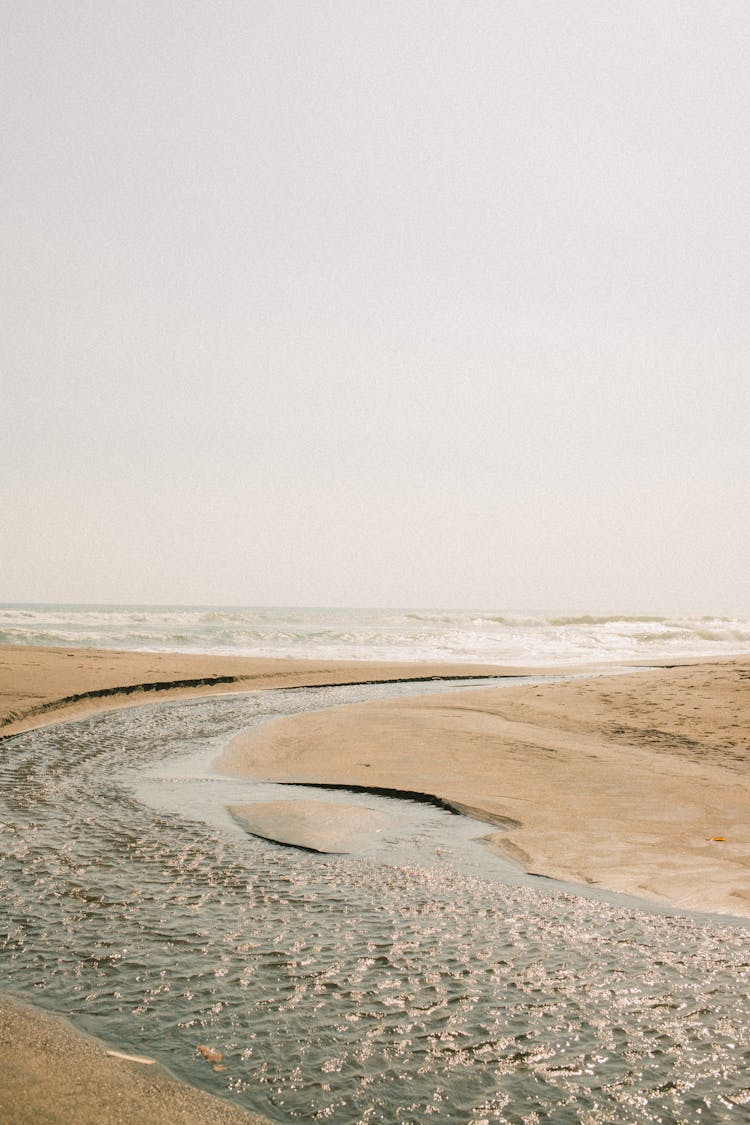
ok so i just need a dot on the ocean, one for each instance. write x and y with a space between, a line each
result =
485 636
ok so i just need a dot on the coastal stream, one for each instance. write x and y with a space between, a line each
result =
424 978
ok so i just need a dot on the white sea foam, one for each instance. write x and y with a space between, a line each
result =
361 634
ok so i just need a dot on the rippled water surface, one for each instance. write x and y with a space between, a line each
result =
407 984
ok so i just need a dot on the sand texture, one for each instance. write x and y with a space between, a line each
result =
48 685
636 782
627 780
52 1075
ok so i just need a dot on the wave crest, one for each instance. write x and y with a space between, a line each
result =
491 637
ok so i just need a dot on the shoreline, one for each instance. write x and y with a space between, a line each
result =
634 782
54 1073
40 686
629 780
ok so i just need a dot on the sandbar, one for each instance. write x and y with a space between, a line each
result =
635 782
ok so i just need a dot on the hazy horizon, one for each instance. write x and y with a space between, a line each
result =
377 304
568 614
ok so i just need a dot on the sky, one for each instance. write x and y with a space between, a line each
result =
383 303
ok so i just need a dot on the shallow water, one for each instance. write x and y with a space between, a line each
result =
413 982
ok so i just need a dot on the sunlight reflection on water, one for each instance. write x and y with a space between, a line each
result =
392 988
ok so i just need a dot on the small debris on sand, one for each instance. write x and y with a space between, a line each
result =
132 1058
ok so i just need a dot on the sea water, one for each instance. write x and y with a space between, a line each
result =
492 636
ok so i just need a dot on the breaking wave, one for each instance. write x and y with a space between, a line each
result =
497 637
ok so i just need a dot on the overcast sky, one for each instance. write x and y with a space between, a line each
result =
377 303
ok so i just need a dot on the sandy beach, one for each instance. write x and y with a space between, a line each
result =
57 1073
637 783
53 1075
50 685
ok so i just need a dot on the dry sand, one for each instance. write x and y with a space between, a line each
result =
637 782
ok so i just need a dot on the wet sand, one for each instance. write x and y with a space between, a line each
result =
53 1075
315 826
49 685
636 782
